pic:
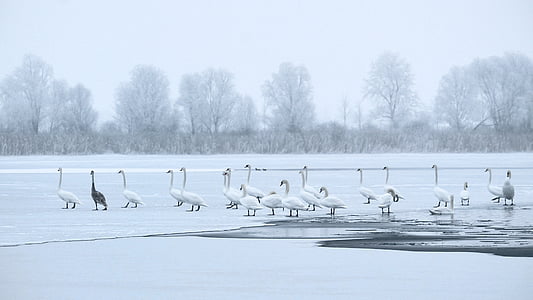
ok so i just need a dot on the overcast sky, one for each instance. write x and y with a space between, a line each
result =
97 43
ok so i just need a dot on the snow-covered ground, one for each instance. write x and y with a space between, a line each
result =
99 264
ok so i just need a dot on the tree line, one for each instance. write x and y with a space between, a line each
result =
486 105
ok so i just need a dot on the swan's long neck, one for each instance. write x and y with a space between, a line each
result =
92 177
286 189
490 176
436 176
226 185
244 193
229 179
360 177
124 179
326 193
60 179
387 178
249 174
171 180
306 175
303 179
184 180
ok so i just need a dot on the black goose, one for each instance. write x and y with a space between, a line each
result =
98 197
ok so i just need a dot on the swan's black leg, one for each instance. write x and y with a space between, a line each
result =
105 208
290 213
198 208
388 210
66 205
297 211
368 201
74 206
95 205
445 204
192 209
126 206
314 208
254 212
382 210
333 212
135 205
272 211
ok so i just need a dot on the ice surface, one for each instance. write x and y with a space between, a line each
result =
30 212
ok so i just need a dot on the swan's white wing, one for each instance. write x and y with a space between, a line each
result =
255 192
67 196
193 199
495 190
233 195
272 201
441 194
176 194
367 193
309 198
333 202
132 196
294 203
385 200
312 190
250 202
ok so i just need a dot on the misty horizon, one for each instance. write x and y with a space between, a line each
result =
98 44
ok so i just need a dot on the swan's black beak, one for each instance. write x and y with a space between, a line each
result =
281 183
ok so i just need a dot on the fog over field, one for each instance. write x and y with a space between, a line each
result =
266 149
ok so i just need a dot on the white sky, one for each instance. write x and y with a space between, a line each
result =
97 43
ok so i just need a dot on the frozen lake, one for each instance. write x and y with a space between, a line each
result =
33 225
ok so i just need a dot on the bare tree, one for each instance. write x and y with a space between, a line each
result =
504 84
142 104
244 116
289 96
390 83
26 93
191 100
208 99
80 115
219 94
345 112
456 99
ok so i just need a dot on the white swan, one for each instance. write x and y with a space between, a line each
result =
307 187
385 200
306 196
252 191
272 201
175 193
331 202
441 210
191 198
129 195
291 202
68 197
388 187
508 189
98 197
495 190
364 191
248 201
230 193
441 194
465 195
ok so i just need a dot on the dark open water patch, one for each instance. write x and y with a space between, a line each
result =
364 232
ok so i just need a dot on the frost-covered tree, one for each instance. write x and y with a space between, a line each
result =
390 84
456 100
56 112
191 101
80 115
505 88
289 98
244 116
208 99
26 93
142 104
